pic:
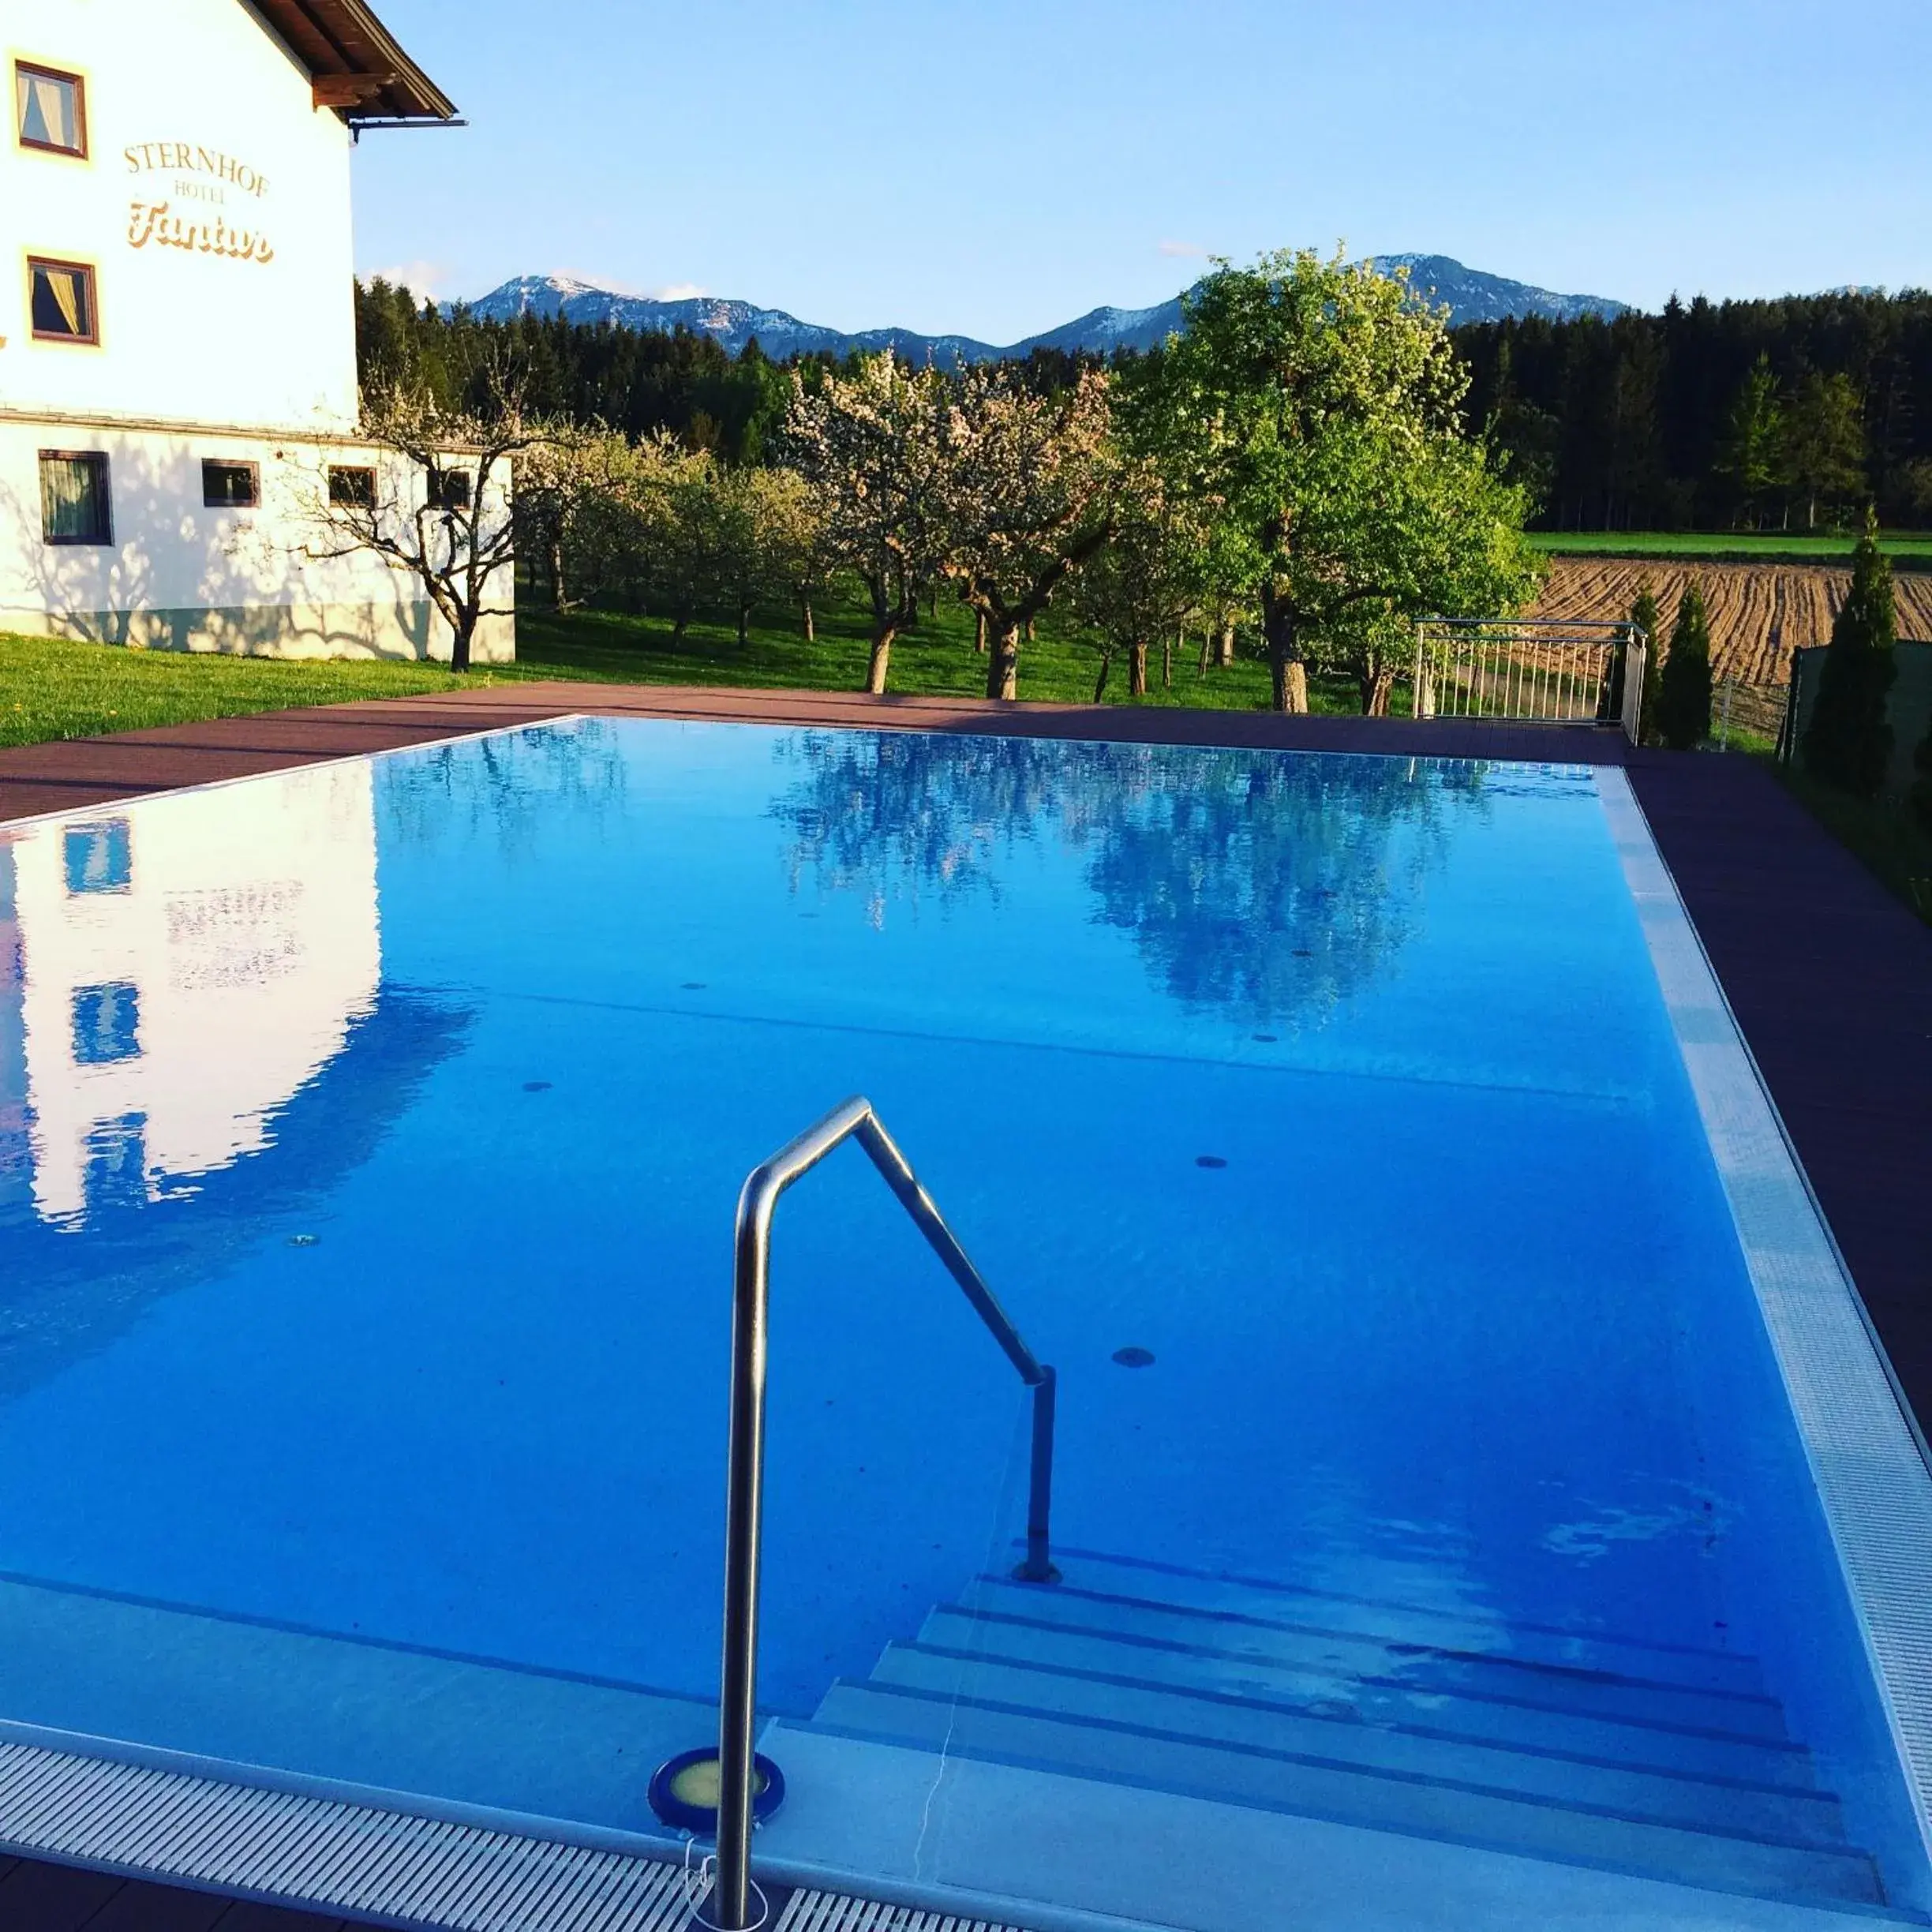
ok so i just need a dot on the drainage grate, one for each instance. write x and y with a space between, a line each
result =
390 1866
320 1852
825 1912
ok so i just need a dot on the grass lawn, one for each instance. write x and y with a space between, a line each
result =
52 687
937 659
1907 549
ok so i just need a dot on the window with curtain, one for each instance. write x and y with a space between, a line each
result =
107 1023
230 486
50 109
63 301
99 857
74 508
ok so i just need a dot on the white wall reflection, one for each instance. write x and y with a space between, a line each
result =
171 975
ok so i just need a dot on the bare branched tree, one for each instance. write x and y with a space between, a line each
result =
439 507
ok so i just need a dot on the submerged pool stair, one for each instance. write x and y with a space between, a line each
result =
1665 1764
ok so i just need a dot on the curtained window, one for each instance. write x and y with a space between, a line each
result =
74 506
49 110
61 298
107 1023
230 486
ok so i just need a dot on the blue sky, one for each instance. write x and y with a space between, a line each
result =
997 168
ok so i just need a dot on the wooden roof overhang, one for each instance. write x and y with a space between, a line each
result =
356 64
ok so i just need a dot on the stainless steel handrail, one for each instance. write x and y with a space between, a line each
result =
853 1120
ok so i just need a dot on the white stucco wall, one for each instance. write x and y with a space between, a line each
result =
246 945
191 335
180 575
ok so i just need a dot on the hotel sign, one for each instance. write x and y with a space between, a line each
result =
204 178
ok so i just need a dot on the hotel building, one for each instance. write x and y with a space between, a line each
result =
179 397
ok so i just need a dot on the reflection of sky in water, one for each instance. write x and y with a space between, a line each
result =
495 1029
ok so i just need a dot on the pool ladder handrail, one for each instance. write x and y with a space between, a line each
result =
852 1120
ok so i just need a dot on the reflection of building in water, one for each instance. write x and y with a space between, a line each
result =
179 974
13 1165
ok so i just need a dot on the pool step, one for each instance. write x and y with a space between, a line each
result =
1345 1656
1255 1724
1666 1764
1449 1629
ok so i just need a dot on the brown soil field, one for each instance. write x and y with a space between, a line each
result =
1759 612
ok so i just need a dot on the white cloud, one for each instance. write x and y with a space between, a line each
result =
421 279
1192 249
678 291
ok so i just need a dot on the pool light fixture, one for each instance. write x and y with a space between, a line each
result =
684 1791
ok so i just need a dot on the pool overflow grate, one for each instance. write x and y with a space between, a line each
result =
827 1911
1870 1474
390 1866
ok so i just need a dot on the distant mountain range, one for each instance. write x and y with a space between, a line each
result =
1471 295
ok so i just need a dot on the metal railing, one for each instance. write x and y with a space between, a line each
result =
1546 671
853 1120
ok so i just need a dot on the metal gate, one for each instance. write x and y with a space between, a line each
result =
1554 671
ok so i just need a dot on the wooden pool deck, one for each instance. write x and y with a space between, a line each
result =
1829 976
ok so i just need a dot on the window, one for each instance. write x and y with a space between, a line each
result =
116 1175
352 485
49 110
74 508
60 297
99 858
449 489
106 1023
230 486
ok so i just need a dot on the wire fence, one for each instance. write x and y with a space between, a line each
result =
1742 708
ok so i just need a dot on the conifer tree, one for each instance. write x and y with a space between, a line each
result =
1646 615
1684 686
1921 785
1848 742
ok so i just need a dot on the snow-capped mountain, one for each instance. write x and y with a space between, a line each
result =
1471 295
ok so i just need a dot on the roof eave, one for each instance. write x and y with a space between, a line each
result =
358 68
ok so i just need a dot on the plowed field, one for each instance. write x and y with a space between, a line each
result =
1759 612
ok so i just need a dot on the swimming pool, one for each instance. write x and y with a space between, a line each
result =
1432 1496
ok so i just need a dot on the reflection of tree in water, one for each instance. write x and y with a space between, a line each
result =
1271 887
894 815
511 783
1265 885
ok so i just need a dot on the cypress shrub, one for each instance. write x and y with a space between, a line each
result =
1848 743
1683 705
1922 786
1648 619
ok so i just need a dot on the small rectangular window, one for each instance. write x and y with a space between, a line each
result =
107 1023
230 486
352 485
60 296
99 858
49 110
116 1175
74 504
449 489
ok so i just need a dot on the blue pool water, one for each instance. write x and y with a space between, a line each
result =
370 1136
